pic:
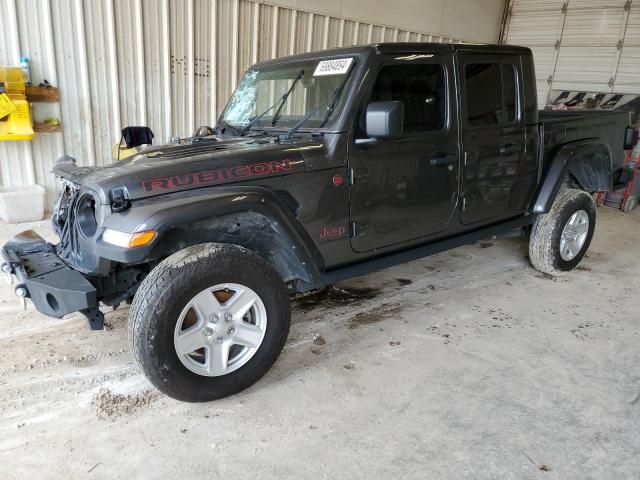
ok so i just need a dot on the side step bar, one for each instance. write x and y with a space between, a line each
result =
380 263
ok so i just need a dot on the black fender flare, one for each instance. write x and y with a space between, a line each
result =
592 174
253 217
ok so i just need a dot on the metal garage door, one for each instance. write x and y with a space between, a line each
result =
579 45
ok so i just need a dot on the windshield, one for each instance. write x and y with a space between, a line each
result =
280 96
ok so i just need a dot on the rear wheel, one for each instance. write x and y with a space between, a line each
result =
559 239
209 321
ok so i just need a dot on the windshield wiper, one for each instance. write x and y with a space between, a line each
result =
331 101
295 128
278 104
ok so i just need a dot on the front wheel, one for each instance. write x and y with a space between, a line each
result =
560 238
209 321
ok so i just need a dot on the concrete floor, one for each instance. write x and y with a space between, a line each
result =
467 364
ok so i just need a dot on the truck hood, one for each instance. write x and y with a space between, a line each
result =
176 167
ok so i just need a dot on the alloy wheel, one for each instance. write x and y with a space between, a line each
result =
220 329
574 235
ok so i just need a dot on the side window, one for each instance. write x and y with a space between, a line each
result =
422 90
490 91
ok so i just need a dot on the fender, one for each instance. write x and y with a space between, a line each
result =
589 161
253 217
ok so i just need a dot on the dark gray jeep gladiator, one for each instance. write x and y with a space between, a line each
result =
323 166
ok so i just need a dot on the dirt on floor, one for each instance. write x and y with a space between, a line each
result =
467 364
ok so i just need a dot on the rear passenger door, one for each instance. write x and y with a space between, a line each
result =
493 137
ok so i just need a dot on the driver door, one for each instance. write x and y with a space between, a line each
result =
405 188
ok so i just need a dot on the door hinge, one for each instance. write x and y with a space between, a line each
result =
464 160
352 177
353 231
464 203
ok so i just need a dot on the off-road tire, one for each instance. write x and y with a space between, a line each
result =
544 241
166 290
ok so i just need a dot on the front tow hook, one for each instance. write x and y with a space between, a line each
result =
23 293
8 273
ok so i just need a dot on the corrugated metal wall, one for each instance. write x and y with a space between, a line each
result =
168 64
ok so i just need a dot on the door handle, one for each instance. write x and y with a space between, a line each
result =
509 149
441 161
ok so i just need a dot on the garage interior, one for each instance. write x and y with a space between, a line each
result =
464 364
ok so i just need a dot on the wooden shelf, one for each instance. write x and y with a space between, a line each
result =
42 127
42 94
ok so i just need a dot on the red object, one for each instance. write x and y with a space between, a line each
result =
620 197
337 180
631 186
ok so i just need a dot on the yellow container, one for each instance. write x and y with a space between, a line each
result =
120 152
6 105
16 123
13 79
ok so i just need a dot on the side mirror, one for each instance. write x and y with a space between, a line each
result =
630 138
384 119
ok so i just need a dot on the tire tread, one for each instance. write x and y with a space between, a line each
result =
156 294
544 254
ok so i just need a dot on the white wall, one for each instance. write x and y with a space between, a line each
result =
172 64
470 20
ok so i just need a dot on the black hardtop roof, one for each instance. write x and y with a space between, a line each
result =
402 47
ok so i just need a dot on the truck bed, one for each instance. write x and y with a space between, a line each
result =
559 127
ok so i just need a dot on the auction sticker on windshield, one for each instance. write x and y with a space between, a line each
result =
338 66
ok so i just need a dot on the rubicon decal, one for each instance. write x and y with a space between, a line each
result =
222 175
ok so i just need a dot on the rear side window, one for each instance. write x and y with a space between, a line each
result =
491 93
422 90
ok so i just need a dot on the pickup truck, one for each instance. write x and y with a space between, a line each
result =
323 166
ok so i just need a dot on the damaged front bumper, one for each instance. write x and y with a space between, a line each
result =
54 288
